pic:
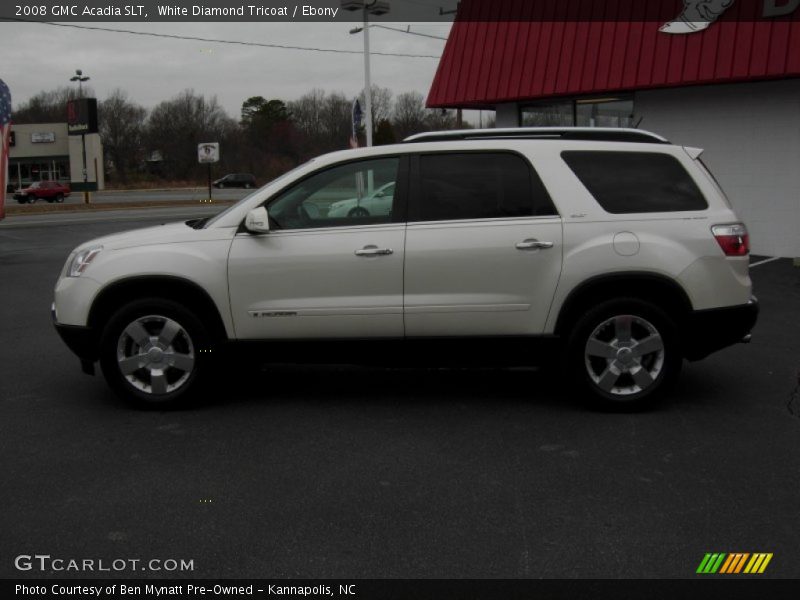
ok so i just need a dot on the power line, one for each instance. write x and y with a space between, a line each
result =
218 41
409 32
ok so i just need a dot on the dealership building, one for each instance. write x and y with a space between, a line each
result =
46 151
729 84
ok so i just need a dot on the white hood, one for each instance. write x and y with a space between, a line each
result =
159 234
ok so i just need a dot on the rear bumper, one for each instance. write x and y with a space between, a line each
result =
714 329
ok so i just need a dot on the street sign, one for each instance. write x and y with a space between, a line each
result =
208 153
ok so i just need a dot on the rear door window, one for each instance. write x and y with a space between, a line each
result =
478 185
635 182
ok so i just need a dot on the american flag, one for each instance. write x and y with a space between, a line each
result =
5 134
356 122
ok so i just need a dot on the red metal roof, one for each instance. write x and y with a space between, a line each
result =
511 50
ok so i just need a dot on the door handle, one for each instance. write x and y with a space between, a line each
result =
374 251
534 244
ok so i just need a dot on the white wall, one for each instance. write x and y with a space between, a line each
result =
751 134
26 149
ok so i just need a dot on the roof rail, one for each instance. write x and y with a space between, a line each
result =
600 134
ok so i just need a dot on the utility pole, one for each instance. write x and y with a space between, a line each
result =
375 7
80 78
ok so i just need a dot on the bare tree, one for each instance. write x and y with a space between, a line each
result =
324 121
307 111
122 131
409 114
381 104
177 126
48 106
440 119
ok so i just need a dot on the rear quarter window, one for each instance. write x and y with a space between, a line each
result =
635 182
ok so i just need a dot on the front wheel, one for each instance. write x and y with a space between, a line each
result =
31 199
154 353
624 354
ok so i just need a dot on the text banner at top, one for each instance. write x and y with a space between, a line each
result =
404 11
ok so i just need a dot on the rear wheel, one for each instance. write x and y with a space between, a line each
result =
624 354
154 353
59 198
357 212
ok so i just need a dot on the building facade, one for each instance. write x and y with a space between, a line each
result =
729 83
45 151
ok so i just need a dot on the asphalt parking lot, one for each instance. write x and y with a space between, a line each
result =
351 472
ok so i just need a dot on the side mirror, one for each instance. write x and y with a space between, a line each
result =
257 220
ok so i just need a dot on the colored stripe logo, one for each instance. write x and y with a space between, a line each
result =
734 563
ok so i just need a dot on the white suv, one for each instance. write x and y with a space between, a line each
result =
609 249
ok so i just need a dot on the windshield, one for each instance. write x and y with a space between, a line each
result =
36 184
246 198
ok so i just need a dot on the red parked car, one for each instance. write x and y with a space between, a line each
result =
52 191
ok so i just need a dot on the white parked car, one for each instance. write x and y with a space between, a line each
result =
378 203
610 250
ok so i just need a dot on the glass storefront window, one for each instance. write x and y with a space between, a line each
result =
550 114
605 113
23 173
583 112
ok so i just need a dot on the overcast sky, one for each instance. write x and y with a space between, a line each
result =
38 57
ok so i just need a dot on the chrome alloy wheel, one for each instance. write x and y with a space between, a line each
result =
155 354
624 355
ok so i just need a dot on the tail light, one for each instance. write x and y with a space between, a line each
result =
733 239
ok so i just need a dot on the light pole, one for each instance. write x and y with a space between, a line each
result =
377 8
80 78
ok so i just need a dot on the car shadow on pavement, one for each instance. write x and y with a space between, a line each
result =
349 384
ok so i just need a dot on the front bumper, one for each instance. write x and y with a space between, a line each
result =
707 331
83 341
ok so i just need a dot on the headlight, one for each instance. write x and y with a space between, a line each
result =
81 260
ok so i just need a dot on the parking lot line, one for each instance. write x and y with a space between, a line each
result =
765 261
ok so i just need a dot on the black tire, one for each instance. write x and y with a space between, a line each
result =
191 342
247 186
621 371
221 186
32 199
358 212
59 198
